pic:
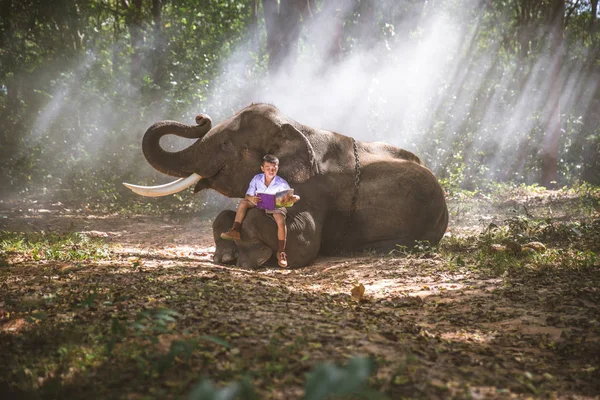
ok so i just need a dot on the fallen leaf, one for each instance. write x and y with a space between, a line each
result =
358 292
535 247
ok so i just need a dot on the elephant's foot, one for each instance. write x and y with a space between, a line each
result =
226 257
253 256
226 253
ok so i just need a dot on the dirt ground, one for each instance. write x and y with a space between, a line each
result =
437 325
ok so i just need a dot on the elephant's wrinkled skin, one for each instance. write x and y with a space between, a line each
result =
398 201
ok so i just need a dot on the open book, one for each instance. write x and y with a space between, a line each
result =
277 200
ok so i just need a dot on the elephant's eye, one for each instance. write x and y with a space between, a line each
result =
226 146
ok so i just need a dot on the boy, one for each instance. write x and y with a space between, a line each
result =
267 182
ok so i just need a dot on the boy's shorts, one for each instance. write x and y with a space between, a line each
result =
282 211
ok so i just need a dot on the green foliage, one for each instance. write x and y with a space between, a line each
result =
152 323
73 111
78 108
53 246
421 249
514 216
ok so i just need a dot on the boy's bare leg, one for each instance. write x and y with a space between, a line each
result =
234 232
241 211
281 239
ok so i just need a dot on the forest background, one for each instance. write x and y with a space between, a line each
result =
484 91
107 294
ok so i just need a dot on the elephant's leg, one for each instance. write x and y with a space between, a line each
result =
259 238
253 254
226 251
260 243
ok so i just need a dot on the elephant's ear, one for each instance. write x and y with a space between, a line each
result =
297 162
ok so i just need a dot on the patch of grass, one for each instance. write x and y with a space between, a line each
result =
52 246
497 263
574 260
497 249
457 244
421 249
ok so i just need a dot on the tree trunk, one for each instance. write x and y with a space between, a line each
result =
271 13
159 69
116 34
134 24
594 18
528 28
10 77
334 20
524 29
283 23
367 31
254 36
552 111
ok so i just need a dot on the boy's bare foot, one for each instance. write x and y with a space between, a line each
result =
282 259
231 234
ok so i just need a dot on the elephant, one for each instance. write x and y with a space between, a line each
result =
354 195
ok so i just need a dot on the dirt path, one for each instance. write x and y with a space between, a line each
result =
437 326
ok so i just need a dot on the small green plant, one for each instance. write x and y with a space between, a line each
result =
151 323
497 263
422 248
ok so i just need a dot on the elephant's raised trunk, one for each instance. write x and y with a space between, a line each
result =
173 163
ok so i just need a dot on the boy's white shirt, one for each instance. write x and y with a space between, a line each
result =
257 185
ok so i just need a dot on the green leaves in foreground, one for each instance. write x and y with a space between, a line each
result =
328 380
325 381
205 390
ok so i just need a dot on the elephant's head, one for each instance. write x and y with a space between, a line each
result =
227 156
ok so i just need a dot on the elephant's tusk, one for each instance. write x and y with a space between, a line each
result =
166 189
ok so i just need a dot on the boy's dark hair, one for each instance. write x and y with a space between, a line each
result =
270 158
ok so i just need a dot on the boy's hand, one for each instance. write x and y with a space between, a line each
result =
295 198
254 199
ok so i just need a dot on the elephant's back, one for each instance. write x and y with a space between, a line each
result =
399 202
408 190
386 151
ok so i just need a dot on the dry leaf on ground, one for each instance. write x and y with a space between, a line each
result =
358 292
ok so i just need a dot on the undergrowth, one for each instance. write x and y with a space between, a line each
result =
52 246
